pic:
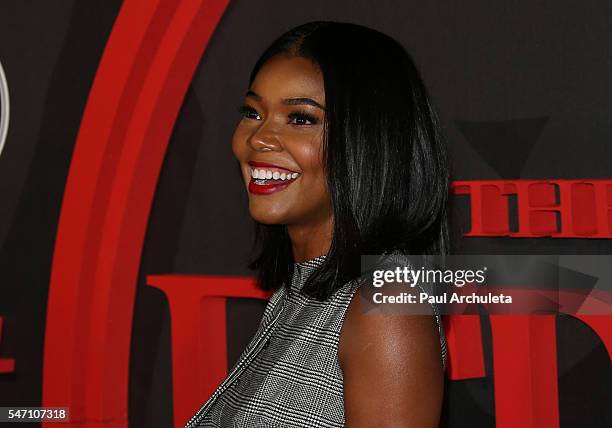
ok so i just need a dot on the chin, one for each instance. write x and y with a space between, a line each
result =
265 216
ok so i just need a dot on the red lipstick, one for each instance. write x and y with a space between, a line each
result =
267 178
266 189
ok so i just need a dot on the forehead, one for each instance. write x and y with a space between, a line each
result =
284 76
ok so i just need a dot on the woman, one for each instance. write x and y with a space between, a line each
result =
341 156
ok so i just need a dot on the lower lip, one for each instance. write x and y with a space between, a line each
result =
267 189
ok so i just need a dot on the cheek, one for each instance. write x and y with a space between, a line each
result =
312 165
315 181
307 153
239 142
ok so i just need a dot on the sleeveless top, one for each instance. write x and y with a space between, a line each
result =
289 374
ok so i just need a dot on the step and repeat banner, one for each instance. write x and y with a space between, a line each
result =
124 229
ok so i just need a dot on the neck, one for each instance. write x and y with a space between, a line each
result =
310 241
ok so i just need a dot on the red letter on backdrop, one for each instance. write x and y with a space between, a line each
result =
556 208
524 363
146 68
198 327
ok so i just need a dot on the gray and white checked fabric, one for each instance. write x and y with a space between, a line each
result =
289 374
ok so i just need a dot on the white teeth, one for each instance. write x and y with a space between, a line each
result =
263 174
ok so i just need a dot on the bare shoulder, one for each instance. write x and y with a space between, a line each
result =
391 366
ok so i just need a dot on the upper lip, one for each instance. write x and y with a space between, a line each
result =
256 164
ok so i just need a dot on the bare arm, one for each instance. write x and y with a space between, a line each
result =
392 369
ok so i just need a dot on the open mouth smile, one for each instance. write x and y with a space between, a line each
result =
267 178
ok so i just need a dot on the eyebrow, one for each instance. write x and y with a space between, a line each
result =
289 101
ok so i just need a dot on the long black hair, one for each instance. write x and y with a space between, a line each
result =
384 156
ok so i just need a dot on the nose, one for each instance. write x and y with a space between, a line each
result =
264 139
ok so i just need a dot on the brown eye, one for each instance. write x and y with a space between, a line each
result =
248 112
302 118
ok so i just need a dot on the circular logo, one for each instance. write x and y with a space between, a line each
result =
4 108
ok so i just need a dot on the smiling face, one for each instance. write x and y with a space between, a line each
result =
278 143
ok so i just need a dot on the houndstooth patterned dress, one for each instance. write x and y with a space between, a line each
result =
289 374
